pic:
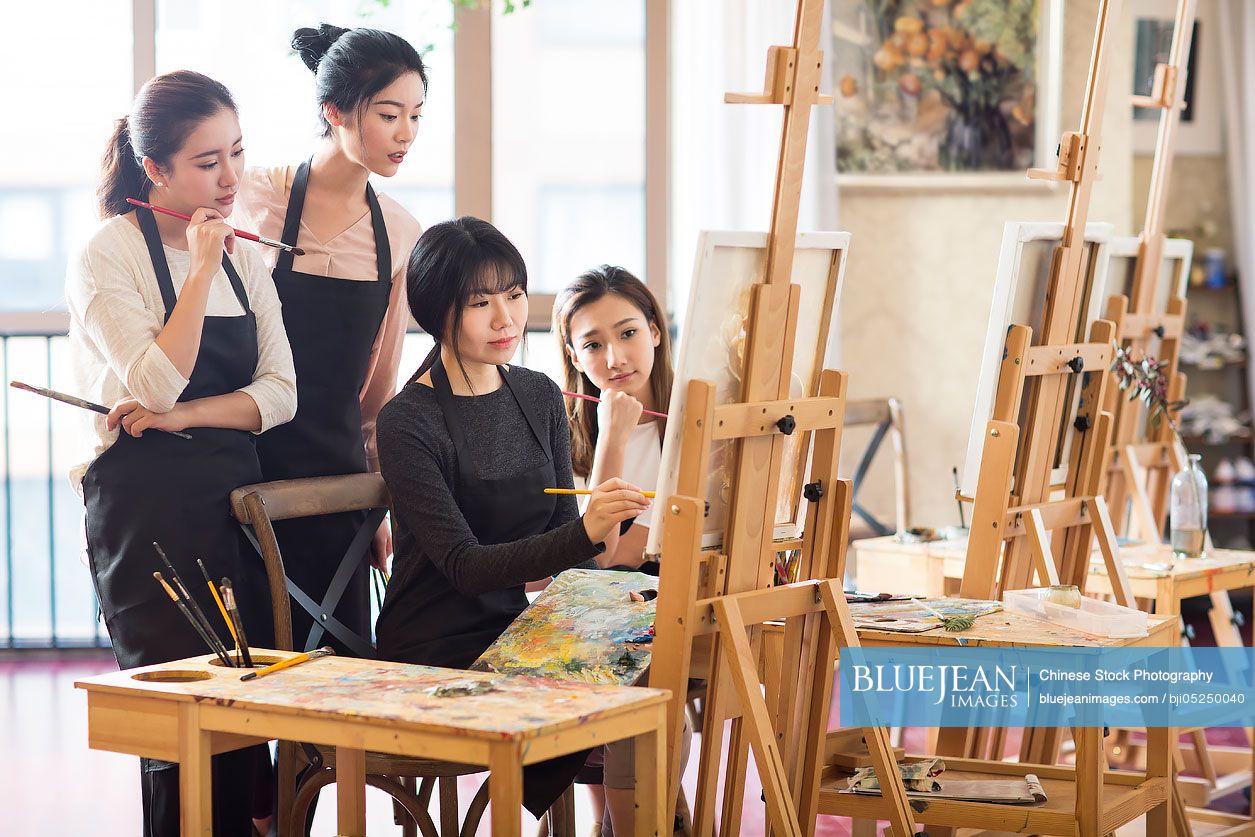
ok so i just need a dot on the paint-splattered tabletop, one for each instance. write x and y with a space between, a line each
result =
1156 561
478 704
1017 630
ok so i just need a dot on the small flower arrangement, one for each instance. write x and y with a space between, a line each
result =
1144 379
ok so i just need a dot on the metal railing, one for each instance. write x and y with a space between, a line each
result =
47 599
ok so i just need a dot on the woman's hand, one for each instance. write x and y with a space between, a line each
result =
611 503
207 236
381 547
617 416
134 418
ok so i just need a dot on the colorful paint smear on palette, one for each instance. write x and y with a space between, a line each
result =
909 617
584 626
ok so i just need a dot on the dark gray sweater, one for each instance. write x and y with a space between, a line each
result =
419 464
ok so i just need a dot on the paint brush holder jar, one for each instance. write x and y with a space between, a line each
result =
1065 595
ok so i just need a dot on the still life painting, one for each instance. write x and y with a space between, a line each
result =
940 86
585 626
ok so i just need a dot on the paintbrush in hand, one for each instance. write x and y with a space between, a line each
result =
260 239
75 401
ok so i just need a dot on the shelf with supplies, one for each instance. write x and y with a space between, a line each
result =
1220 343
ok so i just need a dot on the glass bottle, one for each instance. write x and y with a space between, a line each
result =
1188 513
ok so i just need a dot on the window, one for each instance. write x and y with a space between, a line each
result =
245 45
569 136
50 153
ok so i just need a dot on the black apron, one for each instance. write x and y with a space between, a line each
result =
424 620
331 326
175 491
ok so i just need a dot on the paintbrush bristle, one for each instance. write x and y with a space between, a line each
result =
297 251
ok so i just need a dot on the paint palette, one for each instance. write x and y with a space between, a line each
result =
583 627
910 617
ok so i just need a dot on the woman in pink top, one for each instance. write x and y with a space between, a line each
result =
343 306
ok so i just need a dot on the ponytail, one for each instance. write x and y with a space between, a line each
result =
428 363
121 175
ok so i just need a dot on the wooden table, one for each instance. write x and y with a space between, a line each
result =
188 710
1153 574
927 569
1083 800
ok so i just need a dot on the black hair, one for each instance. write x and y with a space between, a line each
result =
352 65
165 111
452 262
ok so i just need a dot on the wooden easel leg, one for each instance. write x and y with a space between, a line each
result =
1169 817
734 780
901 820
1108 546
1143 513
1043 560
710 757
673 643
735 649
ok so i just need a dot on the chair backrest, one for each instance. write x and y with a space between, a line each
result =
886 415
256 506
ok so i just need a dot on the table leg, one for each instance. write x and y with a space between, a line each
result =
196 808
651 778
505 789
1158 763
350 792
1089 779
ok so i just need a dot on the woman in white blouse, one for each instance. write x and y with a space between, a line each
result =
177 324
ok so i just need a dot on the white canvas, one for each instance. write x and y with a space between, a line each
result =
1018 298
712 347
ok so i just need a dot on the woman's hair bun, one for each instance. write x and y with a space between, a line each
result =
312 44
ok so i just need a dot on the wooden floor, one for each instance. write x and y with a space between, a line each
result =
56 785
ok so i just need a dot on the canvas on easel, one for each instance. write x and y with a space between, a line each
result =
712 347
1024 261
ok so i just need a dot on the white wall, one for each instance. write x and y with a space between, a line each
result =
920 277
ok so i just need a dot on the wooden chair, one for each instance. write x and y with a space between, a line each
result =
304 769
886 415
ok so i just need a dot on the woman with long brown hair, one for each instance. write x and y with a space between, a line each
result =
177 325
615 347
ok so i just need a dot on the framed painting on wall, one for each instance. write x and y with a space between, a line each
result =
1200 129
945 93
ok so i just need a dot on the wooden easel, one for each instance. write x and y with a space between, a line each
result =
1143 460
711 603
1143 457
1016 505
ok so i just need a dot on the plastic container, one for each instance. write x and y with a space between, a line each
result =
1093 616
